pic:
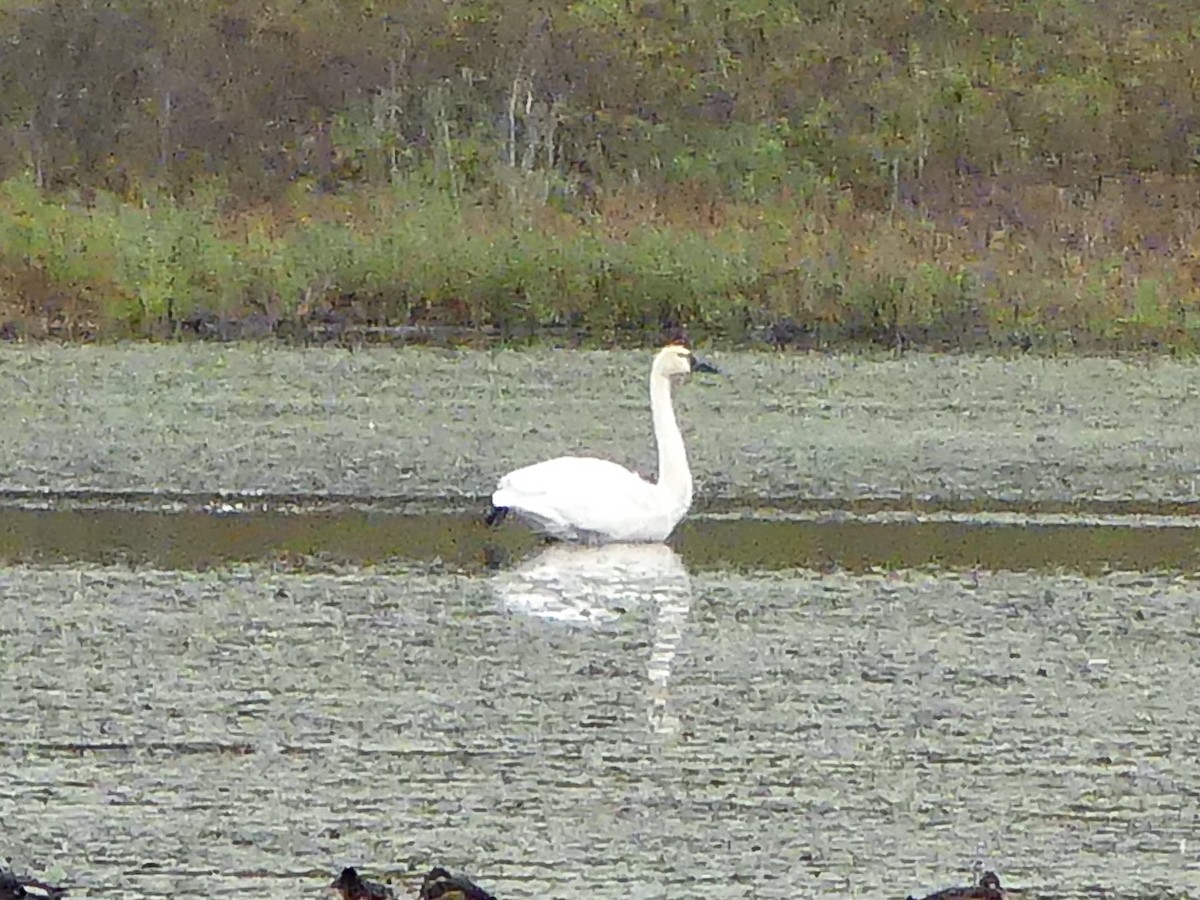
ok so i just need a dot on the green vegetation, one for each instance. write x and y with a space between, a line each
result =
924 173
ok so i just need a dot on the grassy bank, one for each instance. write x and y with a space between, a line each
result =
1034 267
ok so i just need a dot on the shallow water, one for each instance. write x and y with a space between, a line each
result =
315 539
932 614
607 725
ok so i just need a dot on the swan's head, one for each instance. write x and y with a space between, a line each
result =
676 359
990 880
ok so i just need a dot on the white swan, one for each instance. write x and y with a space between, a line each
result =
581 498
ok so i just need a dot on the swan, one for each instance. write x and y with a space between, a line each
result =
581 498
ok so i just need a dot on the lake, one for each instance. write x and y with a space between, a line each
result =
930 615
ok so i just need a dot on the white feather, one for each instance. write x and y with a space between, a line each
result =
582 498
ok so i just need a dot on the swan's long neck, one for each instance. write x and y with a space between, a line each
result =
674 477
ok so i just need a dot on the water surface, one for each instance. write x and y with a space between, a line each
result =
931 614
431 425
606 726
309 539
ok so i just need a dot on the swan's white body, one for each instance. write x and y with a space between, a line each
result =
581 498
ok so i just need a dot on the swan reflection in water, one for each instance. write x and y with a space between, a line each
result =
592 586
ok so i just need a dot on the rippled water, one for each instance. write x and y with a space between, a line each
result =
602 722
431 425
933 615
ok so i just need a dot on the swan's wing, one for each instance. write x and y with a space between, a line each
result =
578 492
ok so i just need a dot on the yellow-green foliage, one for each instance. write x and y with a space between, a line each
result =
147 261
409 252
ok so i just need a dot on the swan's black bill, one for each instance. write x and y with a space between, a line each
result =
699 365
496 515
